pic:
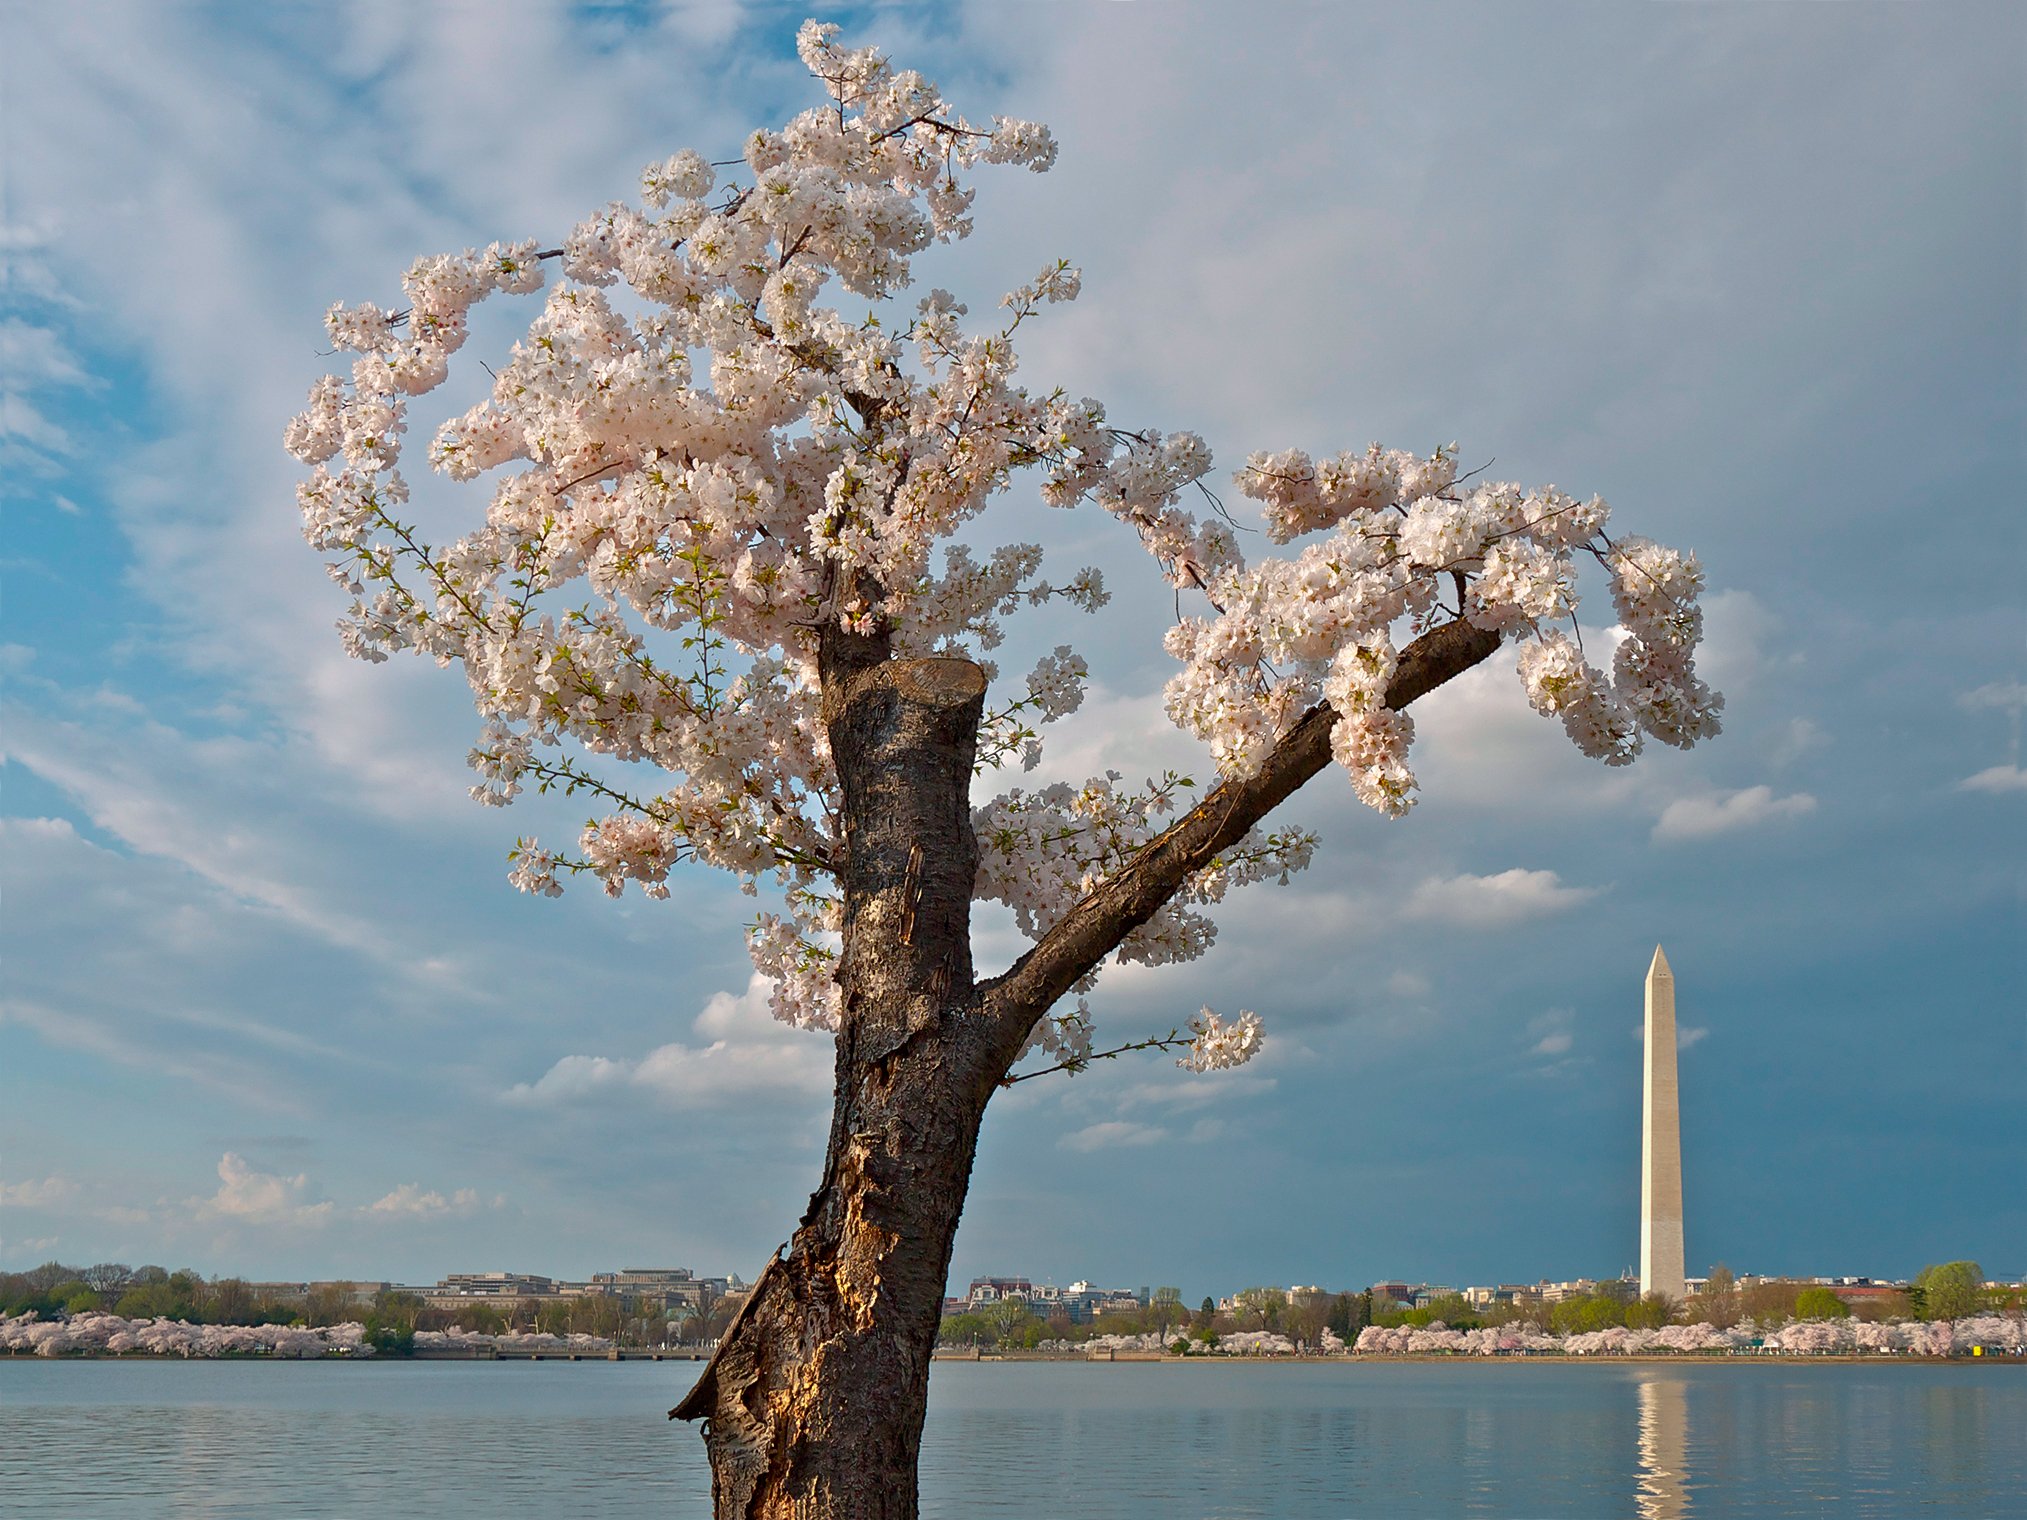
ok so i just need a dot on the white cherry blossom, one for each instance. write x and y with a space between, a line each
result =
725 429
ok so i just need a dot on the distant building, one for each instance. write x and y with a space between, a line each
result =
1624 1289
356 1292
990 1290
1119 1301
461 1288
1079 1303
672 1288
285 1292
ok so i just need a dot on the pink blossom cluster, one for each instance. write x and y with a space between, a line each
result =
1619 1340
2000 1332
697 467
1407 545
1255 1343
1437 1338
110 1334
1151 1341
457 1338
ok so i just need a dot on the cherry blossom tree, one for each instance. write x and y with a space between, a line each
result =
722 542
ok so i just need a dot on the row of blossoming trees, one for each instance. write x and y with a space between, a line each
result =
114 1335
1996 1333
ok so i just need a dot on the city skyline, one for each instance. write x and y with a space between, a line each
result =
271 1006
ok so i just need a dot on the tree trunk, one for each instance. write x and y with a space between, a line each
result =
815 1398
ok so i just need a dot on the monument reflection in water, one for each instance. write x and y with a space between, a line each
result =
1664 1449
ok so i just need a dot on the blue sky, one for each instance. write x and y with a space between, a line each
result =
1754 273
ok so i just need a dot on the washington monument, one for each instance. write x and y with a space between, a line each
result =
1660 1143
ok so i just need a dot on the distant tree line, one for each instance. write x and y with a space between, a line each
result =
1013 1324
1945 1291
1951 1290
391 1318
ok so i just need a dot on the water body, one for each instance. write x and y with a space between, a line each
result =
554 1440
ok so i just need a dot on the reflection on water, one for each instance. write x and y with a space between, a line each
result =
1664 1448
1022 1441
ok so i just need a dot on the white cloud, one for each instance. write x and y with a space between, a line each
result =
36 1194
1727 812
749 1054
1113 1134
194 802
1195 1091
1738 641
1494 902
1551 1033
410 1200
1998 778
254 1197
36 355
2003 696
27 434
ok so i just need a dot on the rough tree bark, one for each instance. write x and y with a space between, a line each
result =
813 1403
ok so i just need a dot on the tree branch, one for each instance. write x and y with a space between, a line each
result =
1095 927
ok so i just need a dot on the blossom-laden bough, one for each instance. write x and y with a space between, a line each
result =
722 541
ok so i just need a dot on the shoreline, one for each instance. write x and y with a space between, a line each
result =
1550 1359
1149 1358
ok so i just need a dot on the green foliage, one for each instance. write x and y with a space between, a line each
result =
170 1298
1574 1316
389 1334
1450 1309
1950 1290
480 1319
1820 1303
1346 1317
1650 1312
1261 1308
1003 1326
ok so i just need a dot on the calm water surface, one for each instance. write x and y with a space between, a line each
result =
552 1440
